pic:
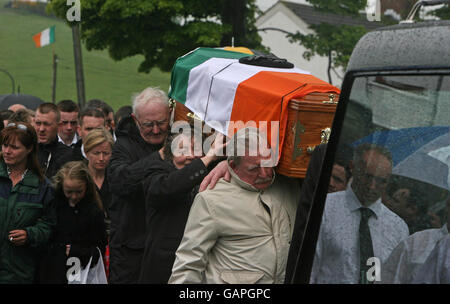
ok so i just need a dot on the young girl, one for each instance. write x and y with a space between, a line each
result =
80 225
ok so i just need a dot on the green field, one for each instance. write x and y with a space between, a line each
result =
112 81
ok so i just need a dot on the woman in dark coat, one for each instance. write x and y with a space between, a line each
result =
170 191
27 211
80 225
98 148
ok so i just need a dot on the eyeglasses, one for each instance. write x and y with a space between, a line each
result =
19 126
151 124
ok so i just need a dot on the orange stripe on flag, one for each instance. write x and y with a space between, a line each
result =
266 95
37 40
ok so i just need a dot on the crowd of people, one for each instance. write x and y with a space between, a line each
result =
77 180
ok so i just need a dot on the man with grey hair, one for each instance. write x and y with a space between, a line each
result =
239 232
138 136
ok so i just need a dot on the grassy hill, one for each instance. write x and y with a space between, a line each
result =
31 67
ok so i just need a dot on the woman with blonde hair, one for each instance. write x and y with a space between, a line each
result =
80 225
98 148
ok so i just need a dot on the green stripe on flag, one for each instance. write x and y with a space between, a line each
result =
180 71
52 34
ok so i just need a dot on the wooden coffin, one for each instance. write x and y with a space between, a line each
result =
309 124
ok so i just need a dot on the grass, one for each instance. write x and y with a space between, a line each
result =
31 67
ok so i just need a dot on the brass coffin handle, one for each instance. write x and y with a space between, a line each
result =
193 116
324 138
331 101
172 103
325 135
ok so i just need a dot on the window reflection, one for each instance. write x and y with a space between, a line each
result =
397 128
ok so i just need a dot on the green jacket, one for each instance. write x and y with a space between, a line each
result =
29 206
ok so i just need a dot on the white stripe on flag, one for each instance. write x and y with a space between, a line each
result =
199 84
45 37
212 99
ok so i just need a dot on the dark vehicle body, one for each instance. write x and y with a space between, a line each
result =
398 78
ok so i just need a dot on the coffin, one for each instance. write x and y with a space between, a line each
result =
309 124
222 90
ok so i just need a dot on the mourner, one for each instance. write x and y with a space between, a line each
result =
239 232
169 193
356 226
80 228
51 153
27 213
138 136
90 119
68 124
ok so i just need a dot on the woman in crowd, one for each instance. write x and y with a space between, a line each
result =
27 214
80 225
97 147
170 191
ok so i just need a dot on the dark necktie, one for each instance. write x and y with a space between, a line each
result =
365 244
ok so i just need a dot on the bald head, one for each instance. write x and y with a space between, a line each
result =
16 107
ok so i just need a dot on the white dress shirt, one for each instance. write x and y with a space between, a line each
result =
74 140
401 267
337 251
436 269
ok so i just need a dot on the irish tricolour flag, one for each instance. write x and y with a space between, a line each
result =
45 37
221 91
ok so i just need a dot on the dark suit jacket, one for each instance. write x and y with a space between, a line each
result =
58 154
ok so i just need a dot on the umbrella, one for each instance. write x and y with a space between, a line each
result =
403 142
429 164
29 101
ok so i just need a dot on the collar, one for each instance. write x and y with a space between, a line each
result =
82 151
74 140
28 179
235 179
353 203
50 145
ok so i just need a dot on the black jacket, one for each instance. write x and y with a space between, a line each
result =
58 154
131 162
169 196
82 227
76 150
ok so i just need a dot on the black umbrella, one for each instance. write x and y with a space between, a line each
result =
29 101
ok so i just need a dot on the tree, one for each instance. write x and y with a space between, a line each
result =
443 12
162 30
332 41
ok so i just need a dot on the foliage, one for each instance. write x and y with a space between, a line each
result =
161 30
442 13
331 40
339 40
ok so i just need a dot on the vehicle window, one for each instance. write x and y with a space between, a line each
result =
389 204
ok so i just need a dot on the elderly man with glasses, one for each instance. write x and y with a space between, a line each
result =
138 136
